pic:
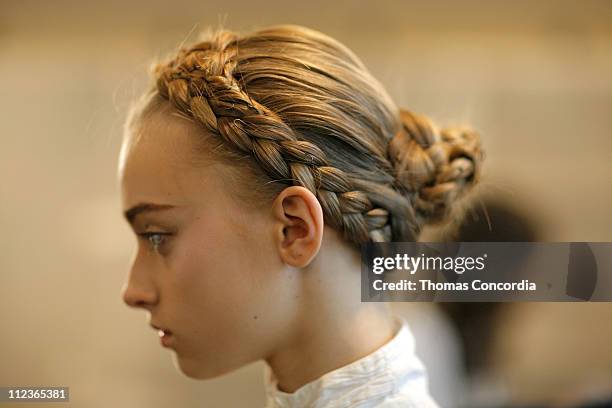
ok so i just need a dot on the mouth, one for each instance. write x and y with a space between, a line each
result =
165 335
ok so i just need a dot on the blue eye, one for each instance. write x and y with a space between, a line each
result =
155 239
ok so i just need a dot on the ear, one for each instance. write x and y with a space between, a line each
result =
298 225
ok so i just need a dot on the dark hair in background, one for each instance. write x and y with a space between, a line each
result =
475 321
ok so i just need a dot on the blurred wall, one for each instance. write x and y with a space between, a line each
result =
532 77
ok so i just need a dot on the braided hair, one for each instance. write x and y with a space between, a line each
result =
308 113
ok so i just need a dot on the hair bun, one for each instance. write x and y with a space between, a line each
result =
434 168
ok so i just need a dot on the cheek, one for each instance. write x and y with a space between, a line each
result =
225 284
214 264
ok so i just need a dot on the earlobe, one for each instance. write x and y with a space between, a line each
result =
299 225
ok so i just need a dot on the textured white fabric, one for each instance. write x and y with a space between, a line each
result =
390 377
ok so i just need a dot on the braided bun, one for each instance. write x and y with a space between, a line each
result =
434 169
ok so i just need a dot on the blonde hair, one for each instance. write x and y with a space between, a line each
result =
307 112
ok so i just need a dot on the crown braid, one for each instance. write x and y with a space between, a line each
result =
310 114
200 81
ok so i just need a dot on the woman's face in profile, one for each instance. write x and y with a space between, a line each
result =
205 266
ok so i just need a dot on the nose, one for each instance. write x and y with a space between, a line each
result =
139 291
138 296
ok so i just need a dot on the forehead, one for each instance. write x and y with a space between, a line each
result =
156 161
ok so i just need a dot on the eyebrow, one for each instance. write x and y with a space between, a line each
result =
144 207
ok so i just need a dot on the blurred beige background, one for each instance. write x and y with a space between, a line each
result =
533 77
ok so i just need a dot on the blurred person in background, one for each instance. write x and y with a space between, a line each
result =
510 351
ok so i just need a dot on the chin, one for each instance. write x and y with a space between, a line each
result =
198 370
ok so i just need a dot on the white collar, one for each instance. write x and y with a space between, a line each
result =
371 378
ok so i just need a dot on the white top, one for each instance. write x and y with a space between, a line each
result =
390 377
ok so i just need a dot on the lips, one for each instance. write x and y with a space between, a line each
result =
165 336
161 331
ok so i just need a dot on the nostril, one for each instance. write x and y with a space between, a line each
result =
131 298
138 298
129 301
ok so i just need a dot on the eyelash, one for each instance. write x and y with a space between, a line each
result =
148 235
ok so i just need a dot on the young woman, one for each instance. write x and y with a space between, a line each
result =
252 171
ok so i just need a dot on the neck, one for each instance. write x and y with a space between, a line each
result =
335 328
